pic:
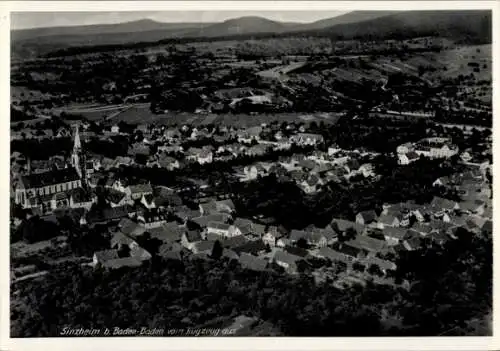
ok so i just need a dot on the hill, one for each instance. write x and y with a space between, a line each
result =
350 17
463 26
145 25
466 25
241 26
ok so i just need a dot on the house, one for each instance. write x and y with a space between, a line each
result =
117 198
287 261
394 235
405 159
137 191
439 204
307 139
251 230
422 229
140 254
271 236
203 247
472 207
118 240
225 206
257 150
334 256
80 198
152 219
252 171
312 184
413 244
366 217
296 235
168 162
202 221
223 229
387 220
105 255
131 228
341 226
107 215
122 262
189 238
252 247
168 253
367 243
253 263
208 208
167 233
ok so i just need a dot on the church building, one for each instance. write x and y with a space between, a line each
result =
53 189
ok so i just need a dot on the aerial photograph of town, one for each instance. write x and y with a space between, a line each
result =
285 174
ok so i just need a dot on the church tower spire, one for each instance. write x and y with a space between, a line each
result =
78 157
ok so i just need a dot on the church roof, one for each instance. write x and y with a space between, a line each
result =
49 178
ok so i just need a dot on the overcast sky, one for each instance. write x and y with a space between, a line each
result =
22 20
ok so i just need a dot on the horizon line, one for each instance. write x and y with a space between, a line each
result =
154 17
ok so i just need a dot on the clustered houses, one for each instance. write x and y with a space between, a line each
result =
365 246
429 147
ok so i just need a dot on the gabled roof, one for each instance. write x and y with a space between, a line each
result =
203 221
208 207
106 255
286 257
367 243
122 262
439 203
140 253
341 225
193 236
141 188
115 196
168 233
252 247
387 219
333 255
218 225
226 203
296 235
422 228
107 214
395 232
119 239
368 216
205 246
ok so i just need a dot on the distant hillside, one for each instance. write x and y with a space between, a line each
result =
351 17
145 25
242 25
461 26
470 25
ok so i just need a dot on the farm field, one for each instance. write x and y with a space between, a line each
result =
138 115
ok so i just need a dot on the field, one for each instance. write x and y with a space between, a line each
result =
454 62
139 115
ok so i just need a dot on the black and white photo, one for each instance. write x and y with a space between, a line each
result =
251 173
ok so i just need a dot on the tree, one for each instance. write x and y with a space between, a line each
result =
302 243
217 250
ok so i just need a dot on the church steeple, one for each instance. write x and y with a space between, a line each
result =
78 157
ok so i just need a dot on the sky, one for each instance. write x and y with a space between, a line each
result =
23 20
